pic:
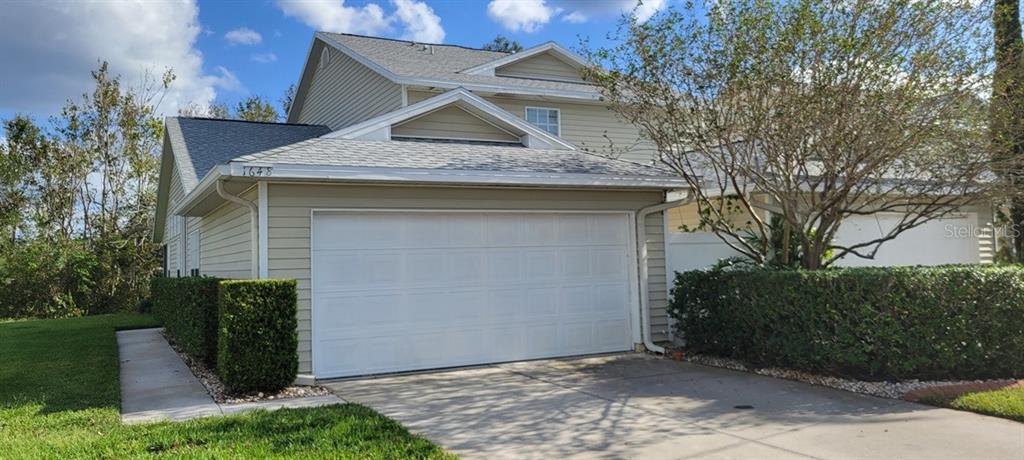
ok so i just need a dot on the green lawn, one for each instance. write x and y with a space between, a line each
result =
59 398
1005 403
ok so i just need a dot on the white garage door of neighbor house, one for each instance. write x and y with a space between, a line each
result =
951 240
406 290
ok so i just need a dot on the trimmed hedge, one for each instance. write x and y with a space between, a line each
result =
187 307
257 345
953 322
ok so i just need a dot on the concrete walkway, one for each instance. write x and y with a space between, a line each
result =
156 384
636 406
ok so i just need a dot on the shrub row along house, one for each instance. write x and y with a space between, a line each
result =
438 206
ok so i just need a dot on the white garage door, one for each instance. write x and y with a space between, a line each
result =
951 240
398 291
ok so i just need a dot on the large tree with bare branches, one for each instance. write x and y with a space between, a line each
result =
811 111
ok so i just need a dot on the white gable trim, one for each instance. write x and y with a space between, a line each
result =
559 51
380 128
448 84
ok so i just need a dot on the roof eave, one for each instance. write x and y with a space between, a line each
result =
300 172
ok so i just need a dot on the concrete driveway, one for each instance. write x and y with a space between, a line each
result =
637 406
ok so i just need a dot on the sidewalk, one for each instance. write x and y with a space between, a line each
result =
156 384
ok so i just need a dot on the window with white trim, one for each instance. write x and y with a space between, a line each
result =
545 118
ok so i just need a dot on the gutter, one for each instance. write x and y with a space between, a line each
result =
253 225
641 249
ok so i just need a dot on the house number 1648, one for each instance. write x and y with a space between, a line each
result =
257 171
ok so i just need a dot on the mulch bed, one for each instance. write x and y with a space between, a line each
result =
216 389
954 390
909 390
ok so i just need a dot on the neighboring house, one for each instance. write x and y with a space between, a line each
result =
438 205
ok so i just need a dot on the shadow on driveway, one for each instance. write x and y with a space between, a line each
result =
638 406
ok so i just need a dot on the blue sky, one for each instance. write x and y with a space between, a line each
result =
223 51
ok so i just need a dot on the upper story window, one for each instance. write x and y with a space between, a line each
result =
545 118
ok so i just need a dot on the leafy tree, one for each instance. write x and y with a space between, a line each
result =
1007 109
503 44
81 242
287 99
813 111
255 108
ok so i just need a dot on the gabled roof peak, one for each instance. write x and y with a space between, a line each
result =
566 55
379 128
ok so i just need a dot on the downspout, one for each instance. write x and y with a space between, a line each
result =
253 224
641 243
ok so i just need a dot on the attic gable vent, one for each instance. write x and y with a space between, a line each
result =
325 57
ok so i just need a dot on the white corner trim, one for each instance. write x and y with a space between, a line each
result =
488 68
263 229
513 123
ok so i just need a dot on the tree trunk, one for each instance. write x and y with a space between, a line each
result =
1007 104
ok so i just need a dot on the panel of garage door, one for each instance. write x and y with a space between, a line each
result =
398 291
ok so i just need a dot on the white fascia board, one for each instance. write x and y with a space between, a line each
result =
205 187
433 176
373 128
449 84
302 75
359 58
503 89
488 68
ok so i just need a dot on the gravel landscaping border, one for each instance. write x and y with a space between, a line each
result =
905 389
216 389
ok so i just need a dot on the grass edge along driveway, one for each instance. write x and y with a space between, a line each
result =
1006 403
60 397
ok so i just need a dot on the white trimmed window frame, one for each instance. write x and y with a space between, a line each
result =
545 125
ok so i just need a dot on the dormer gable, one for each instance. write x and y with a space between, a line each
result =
456 115
452 122
549 61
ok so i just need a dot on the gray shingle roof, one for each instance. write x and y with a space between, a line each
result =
405 59
203 143
448 156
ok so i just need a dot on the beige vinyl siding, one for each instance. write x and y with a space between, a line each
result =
657 282
174 241
585 125
346 92
290 208
451 123
226 248
541 66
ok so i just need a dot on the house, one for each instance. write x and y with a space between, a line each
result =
439 206
444 206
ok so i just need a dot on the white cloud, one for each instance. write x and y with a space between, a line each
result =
263 58
334 16
584 10
647 8
421 24
50 48
243 36
417 19
576 17
227 81
525 15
